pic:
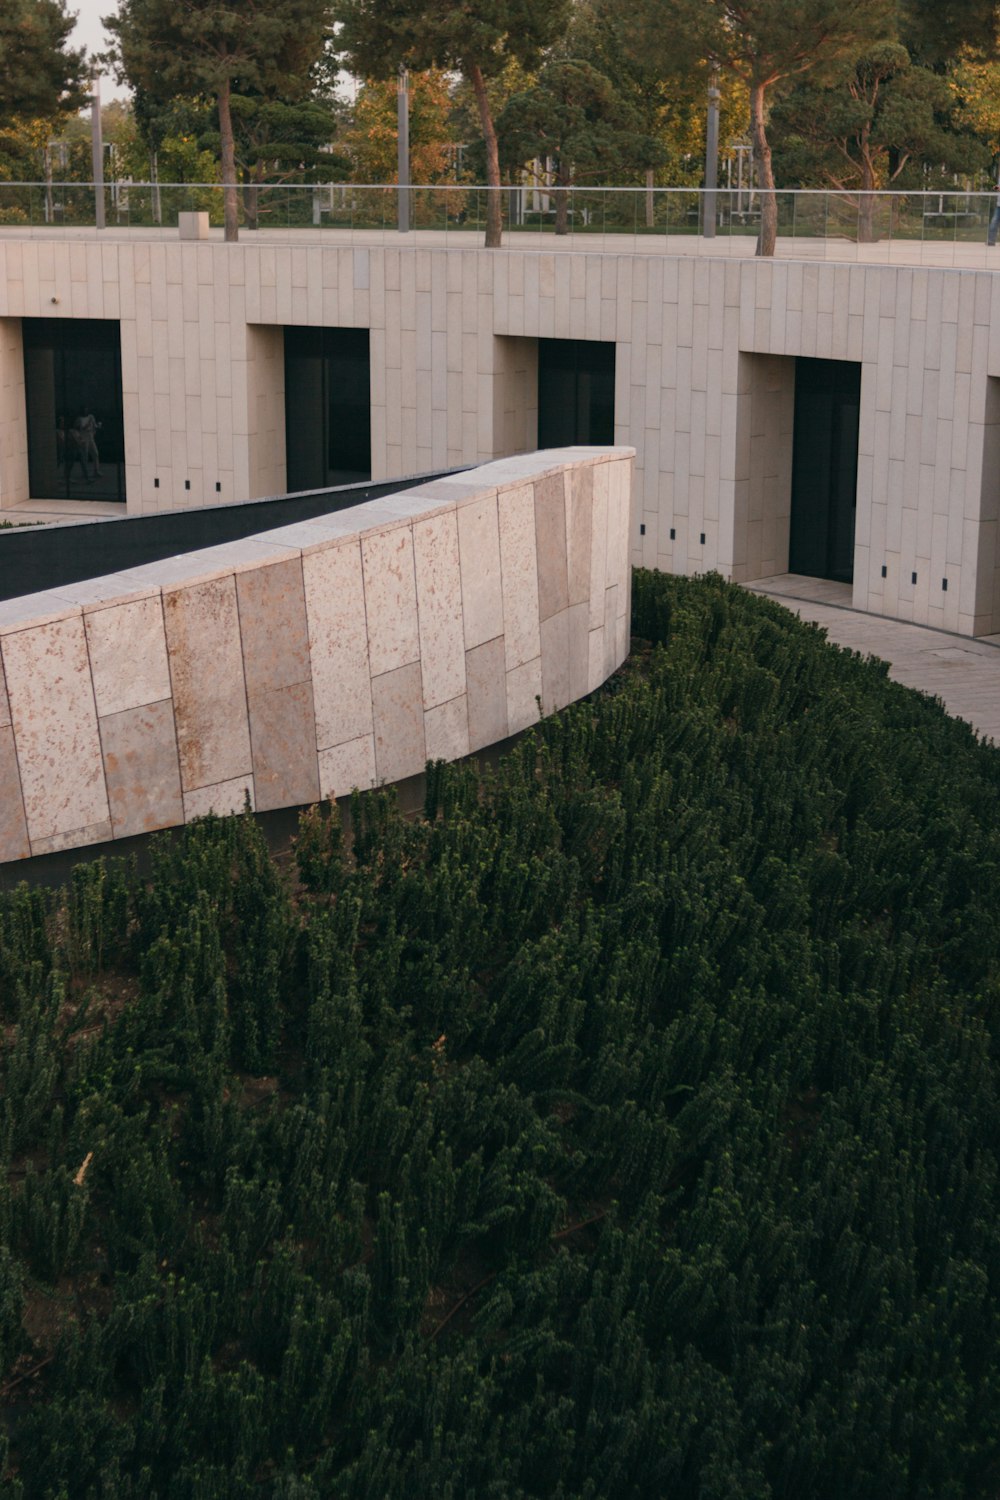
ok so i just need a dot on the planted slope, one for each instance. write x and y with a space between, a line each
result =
628 1127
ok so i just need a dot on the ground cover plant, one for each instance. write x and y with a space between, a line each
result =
625 1127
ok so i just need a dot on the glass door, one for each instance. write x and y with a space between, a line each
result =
73 400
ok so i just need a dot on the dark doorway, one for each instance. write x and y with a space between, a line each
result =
576 392
73 400
327 407
825 468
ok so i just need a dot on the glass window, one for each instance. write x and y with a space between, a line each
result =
576 392
73 398
825 468
327 407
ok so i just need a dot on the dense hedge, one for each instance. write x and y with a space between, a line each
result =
628 1127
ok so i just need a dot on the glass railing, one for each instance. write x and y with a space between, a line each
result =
727 221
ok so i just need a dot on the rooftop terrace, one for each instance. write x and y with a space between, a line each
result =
912 229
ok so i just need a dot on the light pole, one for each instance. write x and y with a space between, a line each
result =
403 149
711 156
97 153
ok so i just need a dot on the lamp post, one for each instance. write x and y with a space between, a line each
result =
97 153
403 149
711 156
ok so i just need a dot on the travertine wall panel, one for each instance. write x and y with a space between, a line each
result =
439 587
338 644
128 654
266 409
390 599
479 554
283 743
524 688
13 427
398 714
555 661
302 662
446 729
209 692
579 500
756 515
519 569
487 693
454 379
221 798
52 710
139 747
349 765
550 544
13 825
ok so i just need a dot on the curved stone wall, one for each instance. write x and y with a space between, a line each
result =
336 653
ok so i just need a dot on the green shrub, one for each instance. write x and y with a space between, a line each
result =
625 1126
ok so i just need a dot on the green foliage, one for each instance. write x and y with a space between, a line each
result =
224 51
625 1126
38 74
882 123
479 42
571 114
764 44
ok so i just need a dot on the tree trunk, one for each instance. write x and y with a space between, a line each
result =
494 208
762 151
650 220
230 205
867 203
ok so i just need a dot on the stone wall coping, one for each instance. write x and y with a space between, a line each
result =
281 543
300 663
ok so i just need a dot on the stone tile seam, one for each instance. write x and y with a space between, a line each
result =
243 673
173 691
20 785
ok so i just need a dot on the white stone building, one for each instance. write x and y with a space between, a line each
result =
880 466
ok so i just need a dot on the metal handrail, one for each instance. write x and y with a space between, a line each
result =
110 185
811 222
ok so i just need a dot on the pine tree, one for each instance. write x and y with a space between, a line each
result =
380 36
207 46
39 75
763 43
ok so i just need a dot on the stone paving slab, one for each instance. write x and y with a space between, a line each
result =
963 671
971 254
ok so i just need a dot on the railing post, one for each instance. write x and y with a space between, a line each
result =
711 157
403 150
97 153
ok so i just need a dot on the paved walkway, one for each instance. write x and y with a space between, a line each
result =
965 255
963 671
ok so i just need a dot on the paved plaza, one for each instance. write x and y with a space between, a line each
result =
963 672
966 254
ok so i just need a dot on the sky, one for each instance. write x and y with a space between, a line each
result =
89 33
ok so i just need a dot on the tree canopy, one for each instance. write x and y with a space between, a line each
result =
571 115
936 31
216 48
764 44
40 74
370 139
478 41
875 126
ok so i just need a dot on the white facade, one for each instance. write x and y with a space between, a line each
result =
705 351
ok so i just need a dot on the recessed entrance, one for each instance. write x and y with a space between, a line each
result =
73 402
825 468
576 392
327 407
